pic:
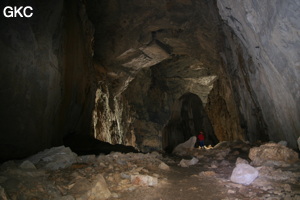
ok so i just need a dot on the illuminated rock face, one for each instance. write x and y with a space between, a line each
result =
269 35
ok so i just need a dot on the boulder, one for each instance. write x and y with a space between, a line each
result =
27 165
298 141
163 166
244 174
272 153
183 148
186 163
86 189
54 158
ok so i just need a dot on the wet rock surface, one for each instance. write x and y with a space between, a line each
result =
149 176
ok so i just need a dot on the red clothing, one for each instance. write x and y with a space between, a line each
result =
200 137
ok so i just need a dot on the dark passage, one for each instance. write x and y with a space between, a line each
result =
187 122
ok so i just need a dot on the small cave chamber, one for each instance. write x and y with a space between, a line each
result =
187 120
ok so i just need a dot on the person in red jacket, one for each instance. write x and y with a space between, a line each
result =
201 140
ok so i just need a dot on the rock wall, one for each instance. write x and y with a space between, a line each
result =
78 75
149 54
44 77
111 118
268 31
223 112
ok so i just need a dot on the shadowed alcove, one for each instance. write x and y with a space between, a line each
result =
187 120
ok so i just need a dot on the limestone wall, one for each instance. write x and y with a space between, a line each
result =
269 33
45 86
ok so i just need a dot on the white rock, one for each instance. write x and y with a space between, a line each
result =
193 161
163 166
54 158
27 165
143 180
231 192
183 148
186 163
244 174
214 166
221 145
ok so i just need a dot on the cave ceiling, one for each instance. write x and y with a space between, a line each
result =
181 39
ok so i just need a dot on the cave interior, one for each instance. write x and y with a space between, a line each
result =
148 75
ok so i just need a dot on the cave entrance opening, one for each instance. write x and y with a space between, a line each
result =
188 118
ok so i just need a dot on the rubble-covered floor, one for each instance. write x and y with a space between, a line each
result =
199 174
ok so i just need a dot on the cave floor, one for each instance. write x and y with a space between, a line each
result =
199 181
119 176
183 183
210 179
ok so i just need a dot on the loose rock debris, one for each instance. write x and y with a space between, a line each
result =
60 174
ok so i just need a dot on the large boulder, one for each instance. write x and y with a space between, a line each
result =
272 153
244 174
52 159
187 163
184 148
84 188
